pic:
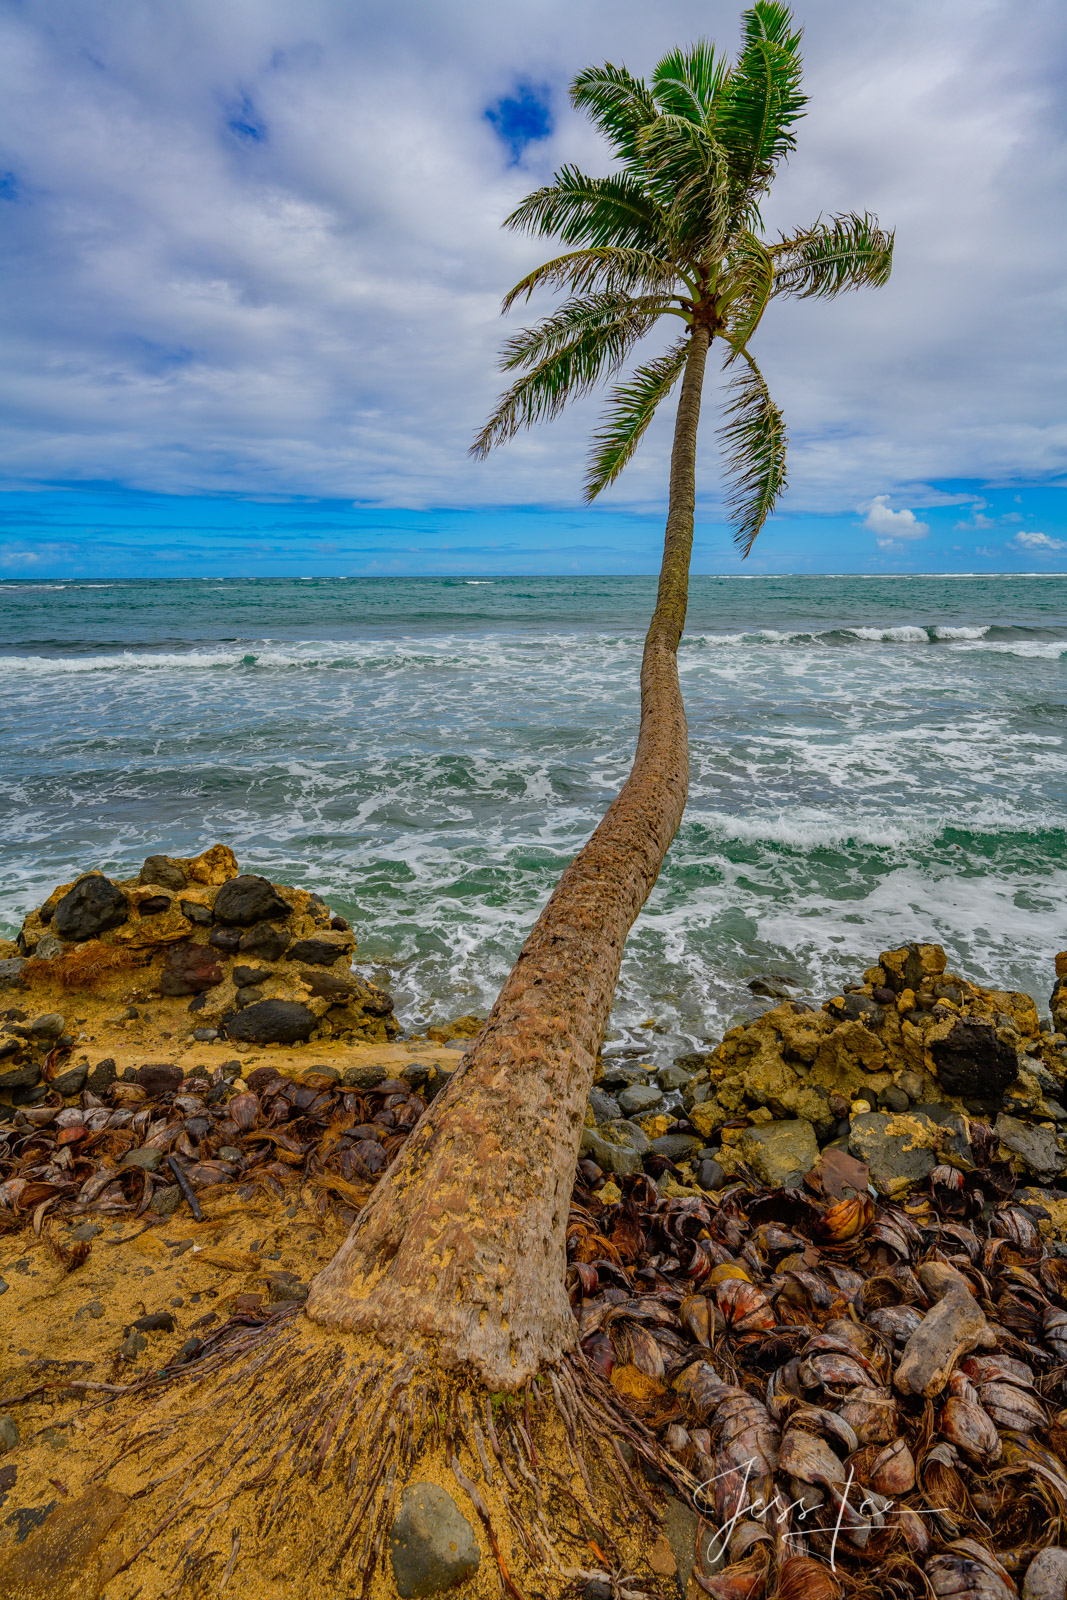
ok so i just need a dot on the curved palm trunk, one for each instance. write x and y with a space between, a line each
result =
463 1241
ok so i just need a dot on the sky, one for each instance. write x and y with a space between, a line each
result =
251 267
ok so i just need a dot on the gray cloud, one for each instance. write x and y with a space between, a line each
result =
255 248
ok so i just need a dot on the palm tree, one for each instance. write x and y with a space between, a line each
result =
450 1285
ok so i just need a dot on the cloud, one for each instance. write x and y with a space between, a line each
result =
259 252
1039 541
890 526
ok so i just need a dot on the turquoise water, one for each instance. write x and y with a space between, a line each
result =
873 760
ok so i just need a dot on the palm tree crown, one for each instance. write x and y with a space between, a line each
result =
675 230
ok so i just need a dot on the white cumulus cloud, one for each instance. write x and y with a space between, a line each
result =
1039 541
890 526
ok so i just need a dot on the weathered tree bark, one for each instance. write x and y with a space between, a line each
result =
463 1240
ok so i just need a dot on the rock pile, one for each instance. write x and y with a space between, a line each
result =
250 960
893 1071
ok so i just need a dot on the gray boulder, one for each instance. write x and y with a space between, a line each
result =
617 1147
165 871
11 972
898 1149
604 1106
640 1098
1037 1148
90 908
779 1152
431 1543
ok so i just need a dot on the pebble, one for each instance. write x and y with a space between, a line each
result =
9 1433
431 1543
639 1098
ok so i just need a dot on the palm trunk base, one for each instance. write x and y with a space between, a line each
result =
278 1468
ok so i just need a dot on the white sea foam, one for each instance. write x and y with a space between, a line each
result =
944 632
904 633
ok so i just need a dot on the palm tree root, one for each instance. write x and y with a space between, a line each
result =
274 1466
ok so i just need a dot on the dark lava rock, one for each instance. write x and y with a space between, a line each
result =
163 870
101 1077
249 899
243 976
194 912
676 1146
155 1322
340 924
363 1077
90 908
226 939
247 996
431 1543
155 905
72 1082
272 1022
20 1078
893 1099
11 972
972 1061
190 969
316 952
770 988
158 1078
264 942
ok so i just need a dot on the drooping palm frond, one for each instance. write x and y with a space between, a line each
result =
686 82
616 210
607 267
581 344
610 316
746 286
689 170
618 103
631 407
753 440
760 104
848 252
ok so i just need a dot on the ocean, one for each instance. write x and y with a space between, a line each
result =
873 760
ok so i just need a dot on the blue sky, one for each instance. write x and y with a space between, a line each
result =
251 266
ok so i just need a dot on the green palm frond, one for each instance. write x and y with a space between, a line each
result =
572 363
686 82
689 169
754 443
848 252
760 104
607 267
607 315
592 211
618 103
746 286
632 405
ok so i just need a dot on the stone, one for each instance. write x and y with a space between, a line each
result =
621 1076
248 899
710 1175
49 1026
159 1078
72 1081
604 1106
617 1147
1046 1576
670 1078
899 1149
9 1433
205 1035
973 1062
431 1543
912 965
363 1077
147 1160
705 1118
1036 1148
639 1098
769 988
194 911
101 1077
779 1151
285 1288
163 870
48 947
272 1022
19 1079
165 1202
11 972
226 939
318 952
893 1098
153 905
90 908
676 1146
243 976
264 942
190 969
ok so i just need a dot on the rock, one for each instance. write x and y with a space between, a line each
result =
318 952
248 899
907 967
431 1543
955 1326
165 1202
90 908
163 870
676 1146
617 1147
621 1075
769 988
227 939
639 1098
973 1062
363 1077
72 1081
159 1078
710 1175
893 1098
1046 1576
194 911
779 1151
899 1149
59 1556
243 976
670 1078
706 1117
190 969
9 1433
1036 1148
264 942
147 1160
154 905
101 1077
19 1079
272 1022
205 1035
285 1288
48 947
11 972
605 1107
49 1026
